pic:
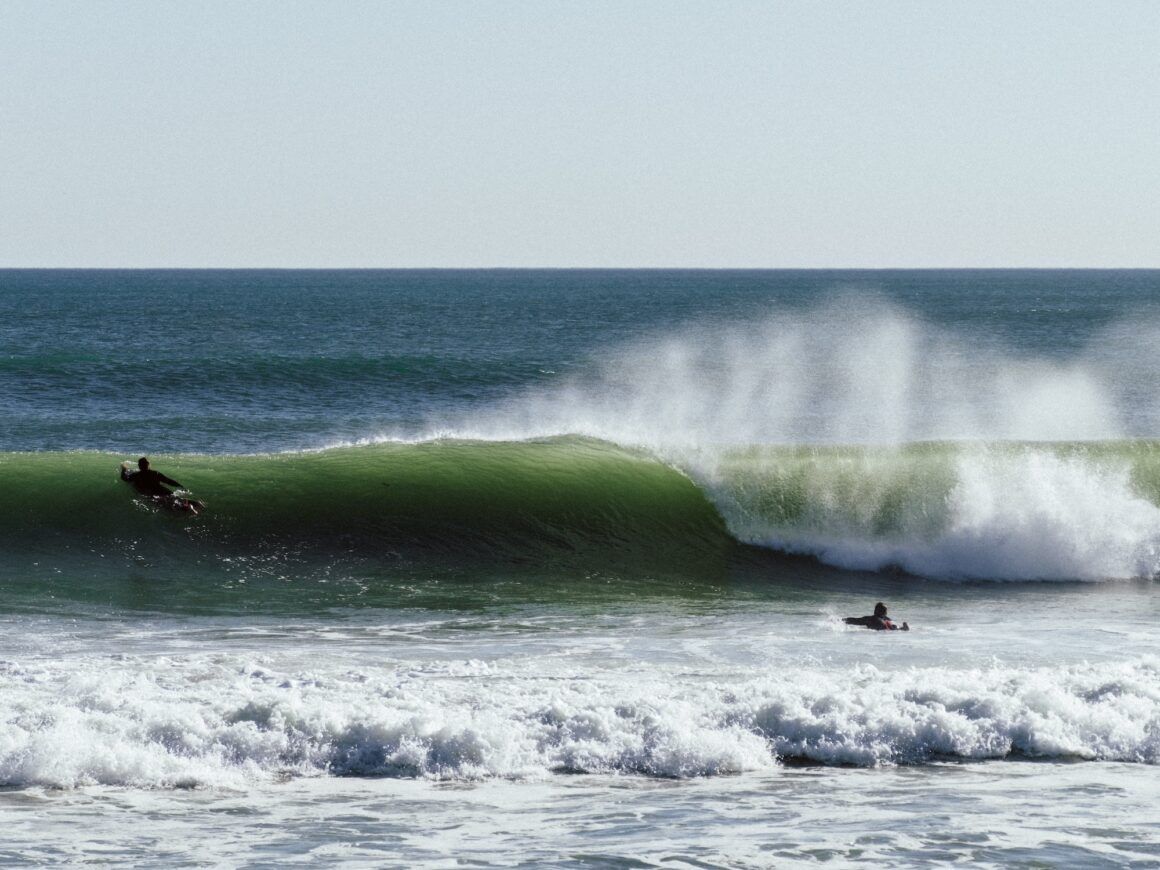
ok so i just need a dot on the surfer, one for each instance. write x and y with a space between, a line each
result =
151 484
879 621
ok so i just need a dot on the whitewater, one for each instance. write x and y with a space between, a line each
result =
550 567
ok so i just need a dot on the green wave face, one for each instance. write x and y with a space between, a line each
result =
567 501
582 510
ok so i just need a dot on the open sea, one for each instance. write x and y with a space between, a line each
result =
548 568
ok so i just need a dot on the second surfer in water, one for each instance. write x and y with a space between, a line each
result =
879 621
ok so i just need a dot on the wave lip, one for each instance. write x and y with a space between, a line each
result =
1014 511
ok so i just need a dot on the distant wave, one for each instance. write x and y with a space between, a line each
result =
225 721
1008 511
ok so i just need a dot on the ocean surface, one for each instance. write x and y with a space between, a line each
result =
548 568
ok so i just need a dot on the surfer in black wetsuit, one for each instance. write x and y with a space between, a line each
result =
151 484
879 621
147 481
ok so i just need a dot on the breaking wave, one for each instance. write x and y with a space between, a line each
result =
1067 511
225 721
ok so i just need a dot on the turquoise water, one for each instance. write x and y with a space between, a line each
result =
549 567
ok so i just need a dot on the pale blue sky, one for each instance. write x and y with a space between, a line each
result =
713 134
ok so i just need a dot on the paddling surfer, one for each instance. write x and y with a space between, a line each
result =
879 621
151 484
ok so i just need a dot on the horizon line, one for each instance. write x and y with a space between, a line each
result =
258 268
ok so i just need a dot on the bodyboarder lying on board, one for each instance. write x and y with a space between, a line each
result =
879 621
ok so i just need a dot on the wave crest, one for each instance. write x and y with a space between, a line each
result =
1012 511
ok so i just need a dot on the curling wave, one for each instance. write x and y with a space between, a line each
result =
1009 511
1068 511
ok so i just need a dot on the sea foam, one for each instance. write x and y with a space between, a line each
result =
225 722
1016 512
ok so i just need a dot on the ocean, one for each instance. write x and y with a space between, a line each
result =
548 568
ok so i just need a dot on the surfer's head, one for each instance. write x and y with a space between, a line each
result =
879 609
142 463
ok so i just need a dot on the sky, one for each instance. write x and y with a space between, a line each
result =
580 134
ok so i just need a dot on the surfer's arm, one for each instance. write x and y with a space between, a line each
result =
168 480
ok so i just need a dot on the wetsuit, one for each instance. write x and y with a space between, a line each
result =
878 623
149 482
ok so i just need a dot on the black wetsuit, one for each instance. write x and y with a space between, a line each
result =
149 482
878 623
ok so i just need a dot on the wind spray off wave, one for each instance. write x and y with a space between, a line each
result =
809 433
854 370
